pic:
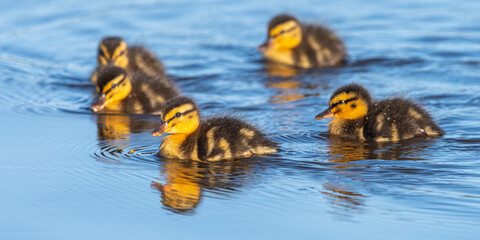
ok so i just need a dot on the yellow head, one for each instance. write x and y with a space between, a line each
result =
113 85
348 102
284 33
113 50
180 116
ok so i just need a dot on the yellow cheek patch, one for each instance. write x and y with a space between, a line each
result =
345 110
102 60
286 35
121 61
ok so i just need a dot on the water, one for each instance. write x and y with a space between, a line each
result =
66 173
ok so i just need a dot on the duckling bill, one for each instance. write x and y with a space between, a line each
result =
114 51
139 93
356 116
209 140
302 45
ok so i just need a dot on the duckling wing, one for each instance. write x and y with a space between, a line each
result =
227 137
142 60
149 94
322 47
398 118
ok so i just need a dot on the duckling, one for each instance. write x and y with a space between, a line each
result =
302 45
123 93
114 51
209 140
357 116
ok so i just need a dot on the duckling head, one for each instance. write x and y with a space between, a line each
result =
113 85
284 33
112 50
179 116
348 102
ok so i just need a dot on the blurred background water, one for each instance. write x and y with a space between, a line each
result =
66 173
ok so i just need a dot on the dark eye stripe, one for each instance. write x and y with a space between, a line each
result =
181 114
283 32
121 81
343 102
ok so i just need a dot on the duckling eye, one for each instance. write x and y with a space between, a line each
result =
114 86
100 53
282 32
177 115
121 53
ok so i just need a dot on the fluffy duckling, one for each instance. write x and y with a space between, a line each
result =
209 140
356 116
114 51
302 45
123 93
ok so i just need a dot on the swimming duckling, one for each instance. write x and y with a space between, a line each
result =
302 45
138 93
114 51
209 140
356 116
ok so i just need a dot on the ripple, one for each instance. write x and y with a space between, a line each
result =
387 62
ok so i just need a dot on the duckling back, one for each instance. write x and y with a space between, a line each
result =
226 138
320 47
142 60
148 94
397 119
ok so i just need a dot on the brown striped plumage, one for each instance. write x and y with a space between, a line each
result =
356 116
114 51
139 93
209 140
302 45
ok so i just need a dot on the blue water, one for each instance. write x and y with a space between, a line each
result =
66 173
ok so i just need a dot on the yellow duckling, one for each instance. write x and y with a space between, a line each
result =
209 140
123 93
356 116
114 51
302 45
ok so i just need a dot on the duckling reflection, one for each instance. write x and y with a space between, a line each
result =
291 85
113 127
343 197
348 199
288 90
281 70
182 190
186 181
114 134
342 151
